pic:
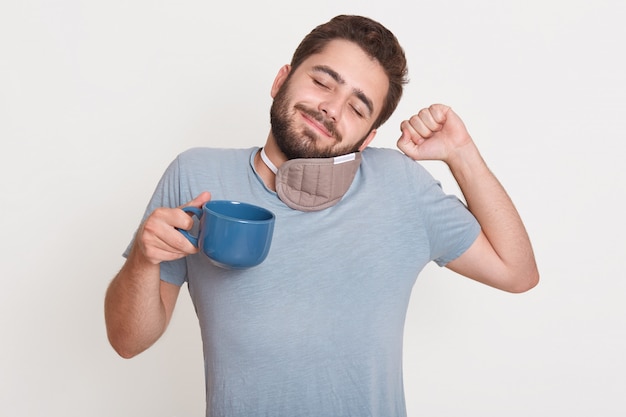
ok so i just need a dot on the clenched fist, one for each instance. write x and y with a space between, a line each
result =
435 133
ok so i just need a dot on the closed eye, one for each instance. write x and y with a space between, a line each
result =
357 112
319 83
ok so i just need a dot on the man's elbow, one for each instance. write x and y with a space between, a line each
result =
123 343
524 282
124 350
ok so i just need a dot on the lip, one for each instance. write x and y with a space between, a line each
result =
317 125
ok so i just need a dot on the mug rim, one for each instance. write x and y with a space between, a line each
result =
269 214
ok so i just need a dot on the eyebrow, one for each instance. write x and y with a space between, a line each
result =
339 79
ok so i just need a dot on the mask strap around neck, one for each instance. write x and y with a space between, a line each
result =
267 162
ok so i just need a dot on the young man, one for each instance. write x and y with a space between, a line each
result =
317 328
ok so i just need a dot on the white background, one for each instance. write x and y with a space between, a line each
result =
97 97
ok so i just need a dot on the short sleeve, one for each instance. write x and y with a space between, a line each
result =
167 194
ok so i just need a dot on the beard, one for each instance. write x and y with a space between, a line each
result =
303 143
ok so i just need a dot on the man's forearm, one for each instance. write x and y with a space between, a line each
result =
134 311
494 210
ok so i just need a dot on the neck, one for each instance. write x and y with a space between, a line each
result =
268 163
266 174
271 159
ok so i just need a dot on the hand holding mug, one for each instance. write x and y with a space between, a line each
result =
158 239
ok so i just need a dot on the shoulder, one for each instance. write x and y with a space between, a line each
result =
387 160
378 154
209 159
203 154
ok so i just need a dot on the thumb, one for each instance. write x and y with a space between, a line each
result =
202 198
406 143
439 112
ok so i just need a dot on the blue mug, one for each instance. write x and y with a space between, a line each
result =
233 235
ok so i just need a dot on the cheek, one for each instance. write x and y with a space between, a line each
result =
354 127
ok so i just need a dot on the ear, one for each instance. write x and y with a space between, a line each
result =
367 140
280 79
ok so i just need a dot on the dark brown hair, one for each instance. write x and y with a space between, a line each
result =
375 40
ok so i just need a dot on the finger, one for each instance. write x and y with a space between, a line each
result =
162 254
407 146
169 248
410 140
160 247
420 126
439 113
166 218
176 243
409 133
172 240
198 201
427 117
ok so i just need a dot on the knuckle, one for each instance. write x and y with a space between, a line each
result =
187 222
159 212
179 241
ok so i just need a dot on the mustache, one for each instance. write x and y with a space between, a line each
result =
319 116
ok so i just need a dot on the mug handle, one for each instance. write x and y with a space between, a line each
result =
196 212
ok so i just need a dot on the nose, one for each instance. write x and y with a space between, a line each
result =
331 107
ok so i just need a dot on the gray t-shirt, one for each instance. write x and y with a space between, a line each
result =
316 329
